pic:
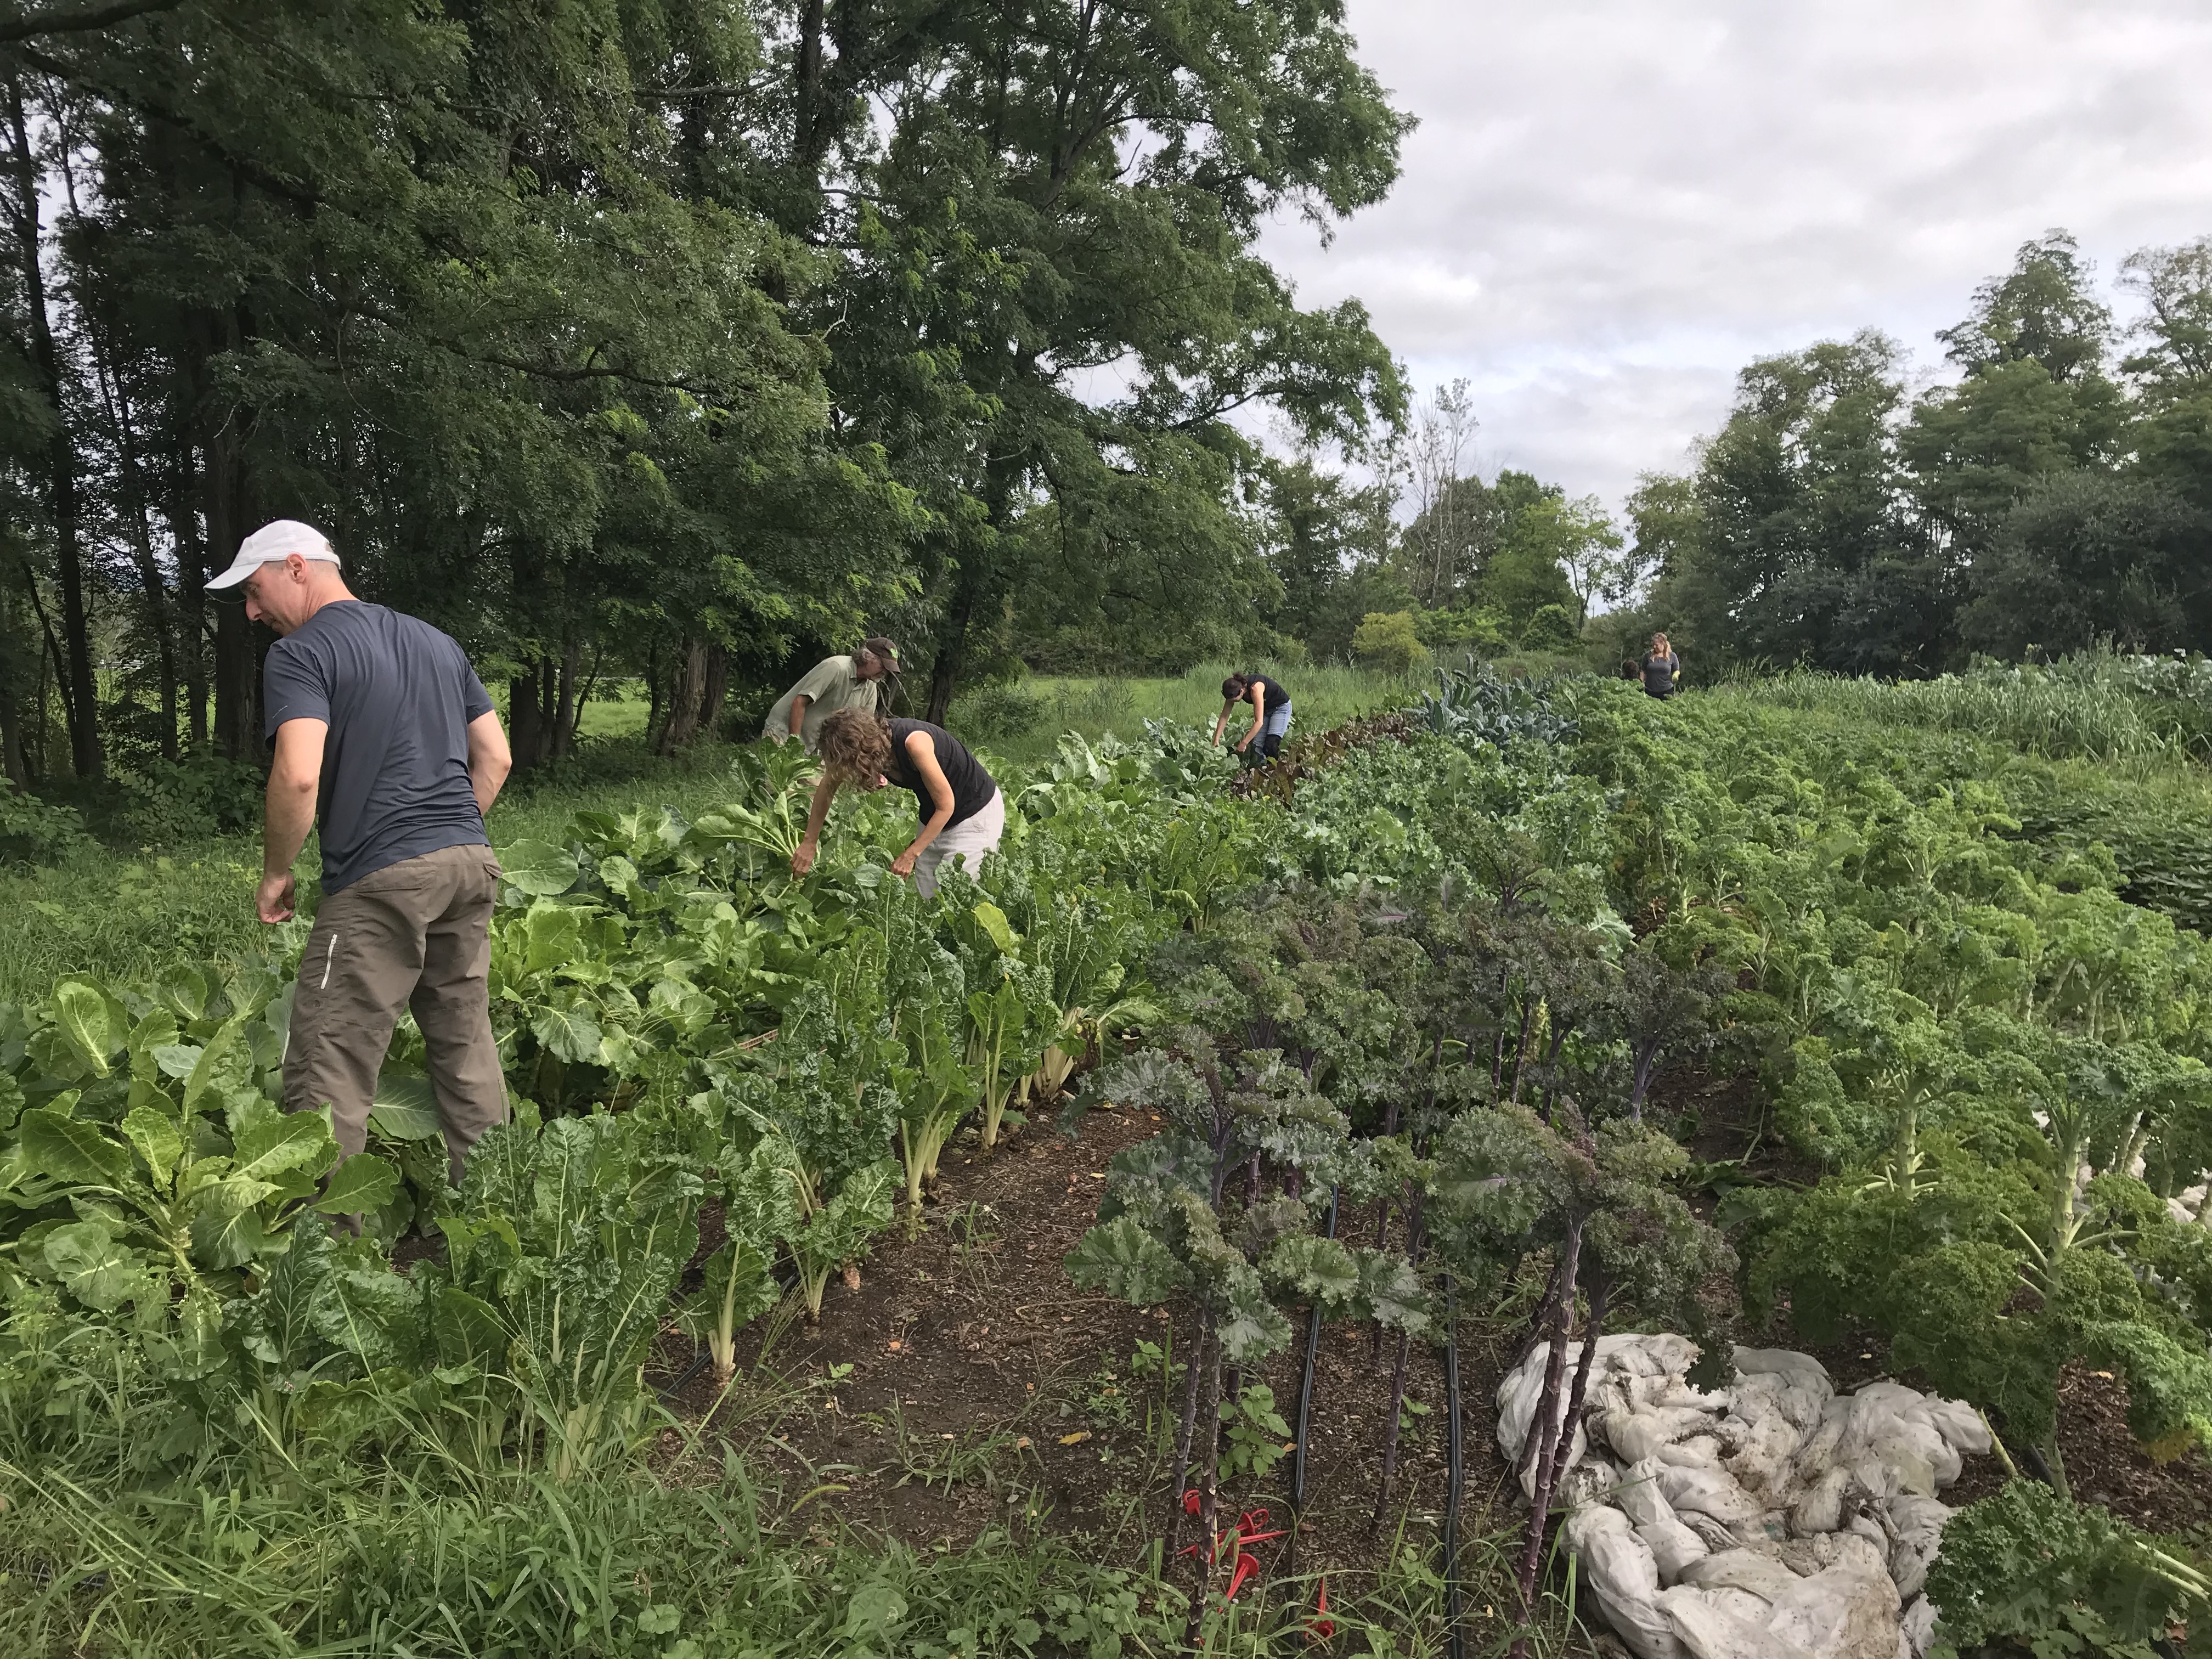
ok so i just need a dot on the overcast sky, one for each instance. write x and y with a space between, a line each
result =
1610 206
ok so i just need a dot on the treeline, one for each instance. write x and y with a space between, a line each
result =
672 338
1424 555
2056 495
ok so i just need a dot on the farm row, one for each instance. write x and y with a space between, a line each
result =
1399 1023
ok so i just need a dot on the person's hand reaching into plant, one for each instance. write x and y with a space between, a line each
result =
275 898
904 864
802 858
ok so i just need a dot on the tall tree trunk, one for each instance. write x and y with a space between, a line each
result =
191 599
715 691
977 570
806 85
140 520
226 509
682 723
85 756
564 702
15 761
525 720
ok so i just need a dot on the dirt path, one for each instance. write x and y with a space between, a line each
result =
967 1384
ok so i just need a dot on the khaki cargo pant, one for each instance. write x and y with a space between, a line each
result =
415 934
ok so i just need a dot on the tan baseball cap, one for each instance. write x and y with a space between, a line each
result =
273 543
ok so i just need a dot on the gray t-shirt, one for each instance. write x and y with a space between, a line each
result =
399 696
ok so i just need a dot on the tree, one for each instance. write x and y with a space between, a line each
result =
2035 400
1327 541
1587 545
1525 573
1443 542
2172 371
2089 556
1389 641
1005 243
1800 530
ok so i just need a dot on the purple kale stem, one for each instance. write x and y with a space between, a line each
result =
1545 1423
1390 1427
1182 1470
1208 1518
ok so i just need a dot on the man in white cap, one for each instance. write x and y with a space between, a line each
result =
385 736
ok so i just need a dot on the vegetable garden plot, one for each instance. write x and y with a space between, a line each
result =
1411 986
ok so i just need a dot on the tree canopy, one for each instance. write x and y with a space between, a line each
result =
2058 493
672 339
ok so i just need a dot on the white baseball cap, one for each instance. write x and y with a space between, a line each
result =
273 543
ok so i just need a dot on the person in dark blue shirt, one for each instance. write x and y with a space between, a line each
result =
385 739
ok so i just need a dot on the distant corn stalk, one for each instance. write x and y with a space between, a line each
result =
2097 706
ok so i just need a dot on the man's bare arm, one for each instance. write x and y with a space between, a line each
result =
490 760
294 777
799 702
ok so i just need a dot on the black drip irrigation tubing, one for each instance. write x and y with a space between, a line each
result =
699 1360
683 1378
1454 1641
1305 1386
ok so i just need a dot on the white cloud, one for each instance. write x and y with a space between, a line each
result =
1611 205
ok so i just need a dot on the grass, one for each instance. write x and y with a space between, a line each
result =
122 917
286 1547
2097 707
1023 722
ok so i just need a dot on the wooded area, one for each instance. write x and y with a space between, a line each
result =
675 344
2057 493
676 338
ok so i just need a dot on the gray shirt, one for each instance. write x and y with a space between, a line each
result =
398 696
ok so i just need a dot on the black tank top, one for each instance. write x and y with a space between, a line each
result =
1275 694
972 787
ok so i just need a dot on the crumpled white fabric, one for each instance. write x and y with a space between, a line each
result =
1771 1519
1710 1628
1623 1580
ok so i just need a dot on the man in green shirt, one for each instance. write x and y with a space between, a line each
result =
833 683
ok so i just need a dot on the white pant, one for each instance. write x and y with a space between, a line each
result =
968 840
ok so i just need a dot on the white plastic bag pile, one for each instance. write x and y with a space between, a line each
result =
1772 1519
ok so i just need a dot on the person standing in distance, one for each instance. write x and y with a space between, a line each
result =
964 812
1662 669
1271 715
383 736
835 682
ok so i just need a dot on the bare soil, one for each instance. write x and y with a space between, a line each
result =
965 1385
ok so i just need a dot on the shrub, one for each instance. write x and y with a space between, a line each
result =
31 831
1553 627
174 802
992 713
1388 639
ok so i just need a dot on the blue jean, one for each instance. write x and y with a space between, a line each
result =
1269 743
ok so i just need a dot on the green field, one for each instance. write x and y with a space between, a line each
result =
125 912
1786 1003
